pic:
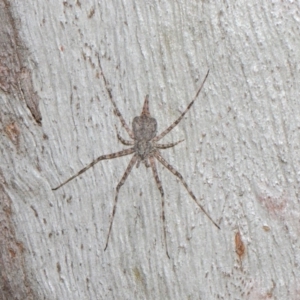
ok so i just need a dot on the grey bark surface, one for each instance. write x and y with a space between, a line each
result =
240 154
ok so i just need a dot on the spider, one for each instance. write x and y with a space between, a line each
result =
145 149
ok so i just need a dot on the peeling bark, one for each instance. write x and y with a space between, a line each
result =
15 76
14 282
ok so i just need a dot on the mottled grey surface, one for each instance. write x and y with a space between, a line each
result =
240 154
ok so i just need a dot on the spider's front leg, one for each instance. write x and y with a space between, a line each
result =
122 181
166 146
158 156
159 185
102 157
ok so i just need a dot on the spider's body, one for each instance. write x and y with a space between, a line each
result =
145 149
144 130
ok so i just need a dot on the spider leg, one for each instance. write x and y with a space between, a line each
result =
123 141
124 124
159 185
168 145
102 157
161 135
146 162
124 177
177 174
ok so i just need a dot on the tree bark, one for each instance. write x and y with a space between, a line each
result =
240 154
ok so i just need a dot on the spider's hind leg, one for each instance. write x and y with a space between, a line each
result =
166 131
117 112
122 140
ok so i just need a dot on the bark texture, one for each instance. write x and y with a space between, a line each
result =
240 155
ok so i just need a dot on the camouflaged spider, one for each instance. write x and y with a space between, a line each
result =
145 149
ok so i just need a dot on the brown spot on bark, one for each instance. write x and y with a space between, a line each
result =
35 212
13 132
239 245
91 13
58 267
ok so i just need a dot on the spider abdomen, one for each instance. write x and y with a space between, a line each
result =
144 128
